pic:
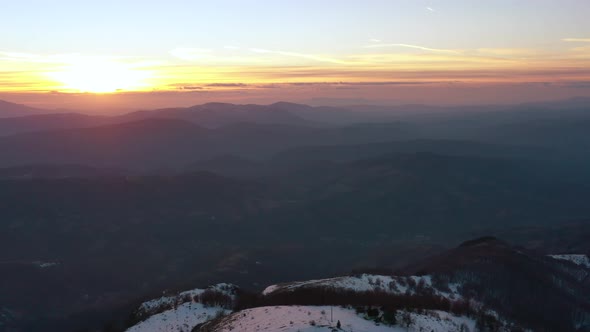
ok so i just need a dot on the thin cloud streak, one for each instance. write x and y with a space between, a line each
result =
301 55
418 47
577 40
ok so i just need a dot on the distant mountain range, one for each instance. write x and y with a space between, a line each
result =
8 109
100 212
15 118
177 137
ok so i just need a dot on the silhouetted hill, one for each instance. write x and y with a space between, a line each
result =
56 171
156 143
439 146
519 284
220 114
8 109
144 144
50 122
231 165
437 193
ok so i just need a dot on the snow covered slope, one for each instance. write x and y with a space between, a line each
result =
180 319
181 312
578 259
315 319
368 282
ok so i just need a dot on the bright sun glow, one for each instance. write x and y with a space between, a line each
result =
101 77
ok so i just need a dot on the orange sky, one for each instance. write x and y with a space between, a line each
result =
109 55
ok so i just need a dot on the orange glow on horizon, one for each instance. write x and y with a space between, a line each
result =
264 68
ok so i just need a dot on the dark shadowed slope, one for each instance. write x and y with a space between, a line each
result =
157 143
525 286
57 171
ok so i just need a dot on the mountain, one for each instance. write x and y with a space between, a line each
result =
220 114
484 284
51 122
439 194
57 171
230 165
20 119
169 143
8 109
522 285
150 143
429 121
187 229
438 146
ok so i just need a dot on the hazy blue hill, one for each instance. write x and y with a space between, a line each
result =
220 114
50 122
158 142
8 109
56 171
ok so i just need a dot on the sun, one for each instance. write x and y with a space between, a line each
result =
100 76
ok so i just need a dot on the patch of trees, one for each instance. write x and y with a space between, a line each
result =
213 298
521 294
337 297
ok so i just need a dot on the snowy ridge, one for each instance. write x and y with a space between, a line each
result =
180 319
166 301
367 283
578 259
318 318
181 312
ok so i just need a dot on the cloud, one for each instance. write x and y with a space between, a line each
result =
300 55
509 52
227 85
577 40
418 47
430 9
375 40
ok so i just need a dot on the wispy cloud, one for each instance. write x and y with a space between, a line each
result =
430 9
417 47
577 40
318 58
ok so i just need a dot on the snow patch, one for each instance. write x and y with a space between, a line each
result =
180 312
44 265
369 283
578 259
319 318
152 305
180 319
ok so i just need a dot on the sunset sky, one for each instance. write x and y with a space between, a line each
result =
153 53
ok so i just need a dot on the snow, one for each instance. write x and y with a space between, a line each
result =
44 265
578 259
150 306
317 318
182 319
179 313
364 283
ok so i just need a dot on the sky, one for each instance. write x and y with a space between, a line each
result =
109 54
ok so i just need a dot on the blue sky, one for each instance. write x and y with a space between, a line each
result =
153 27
